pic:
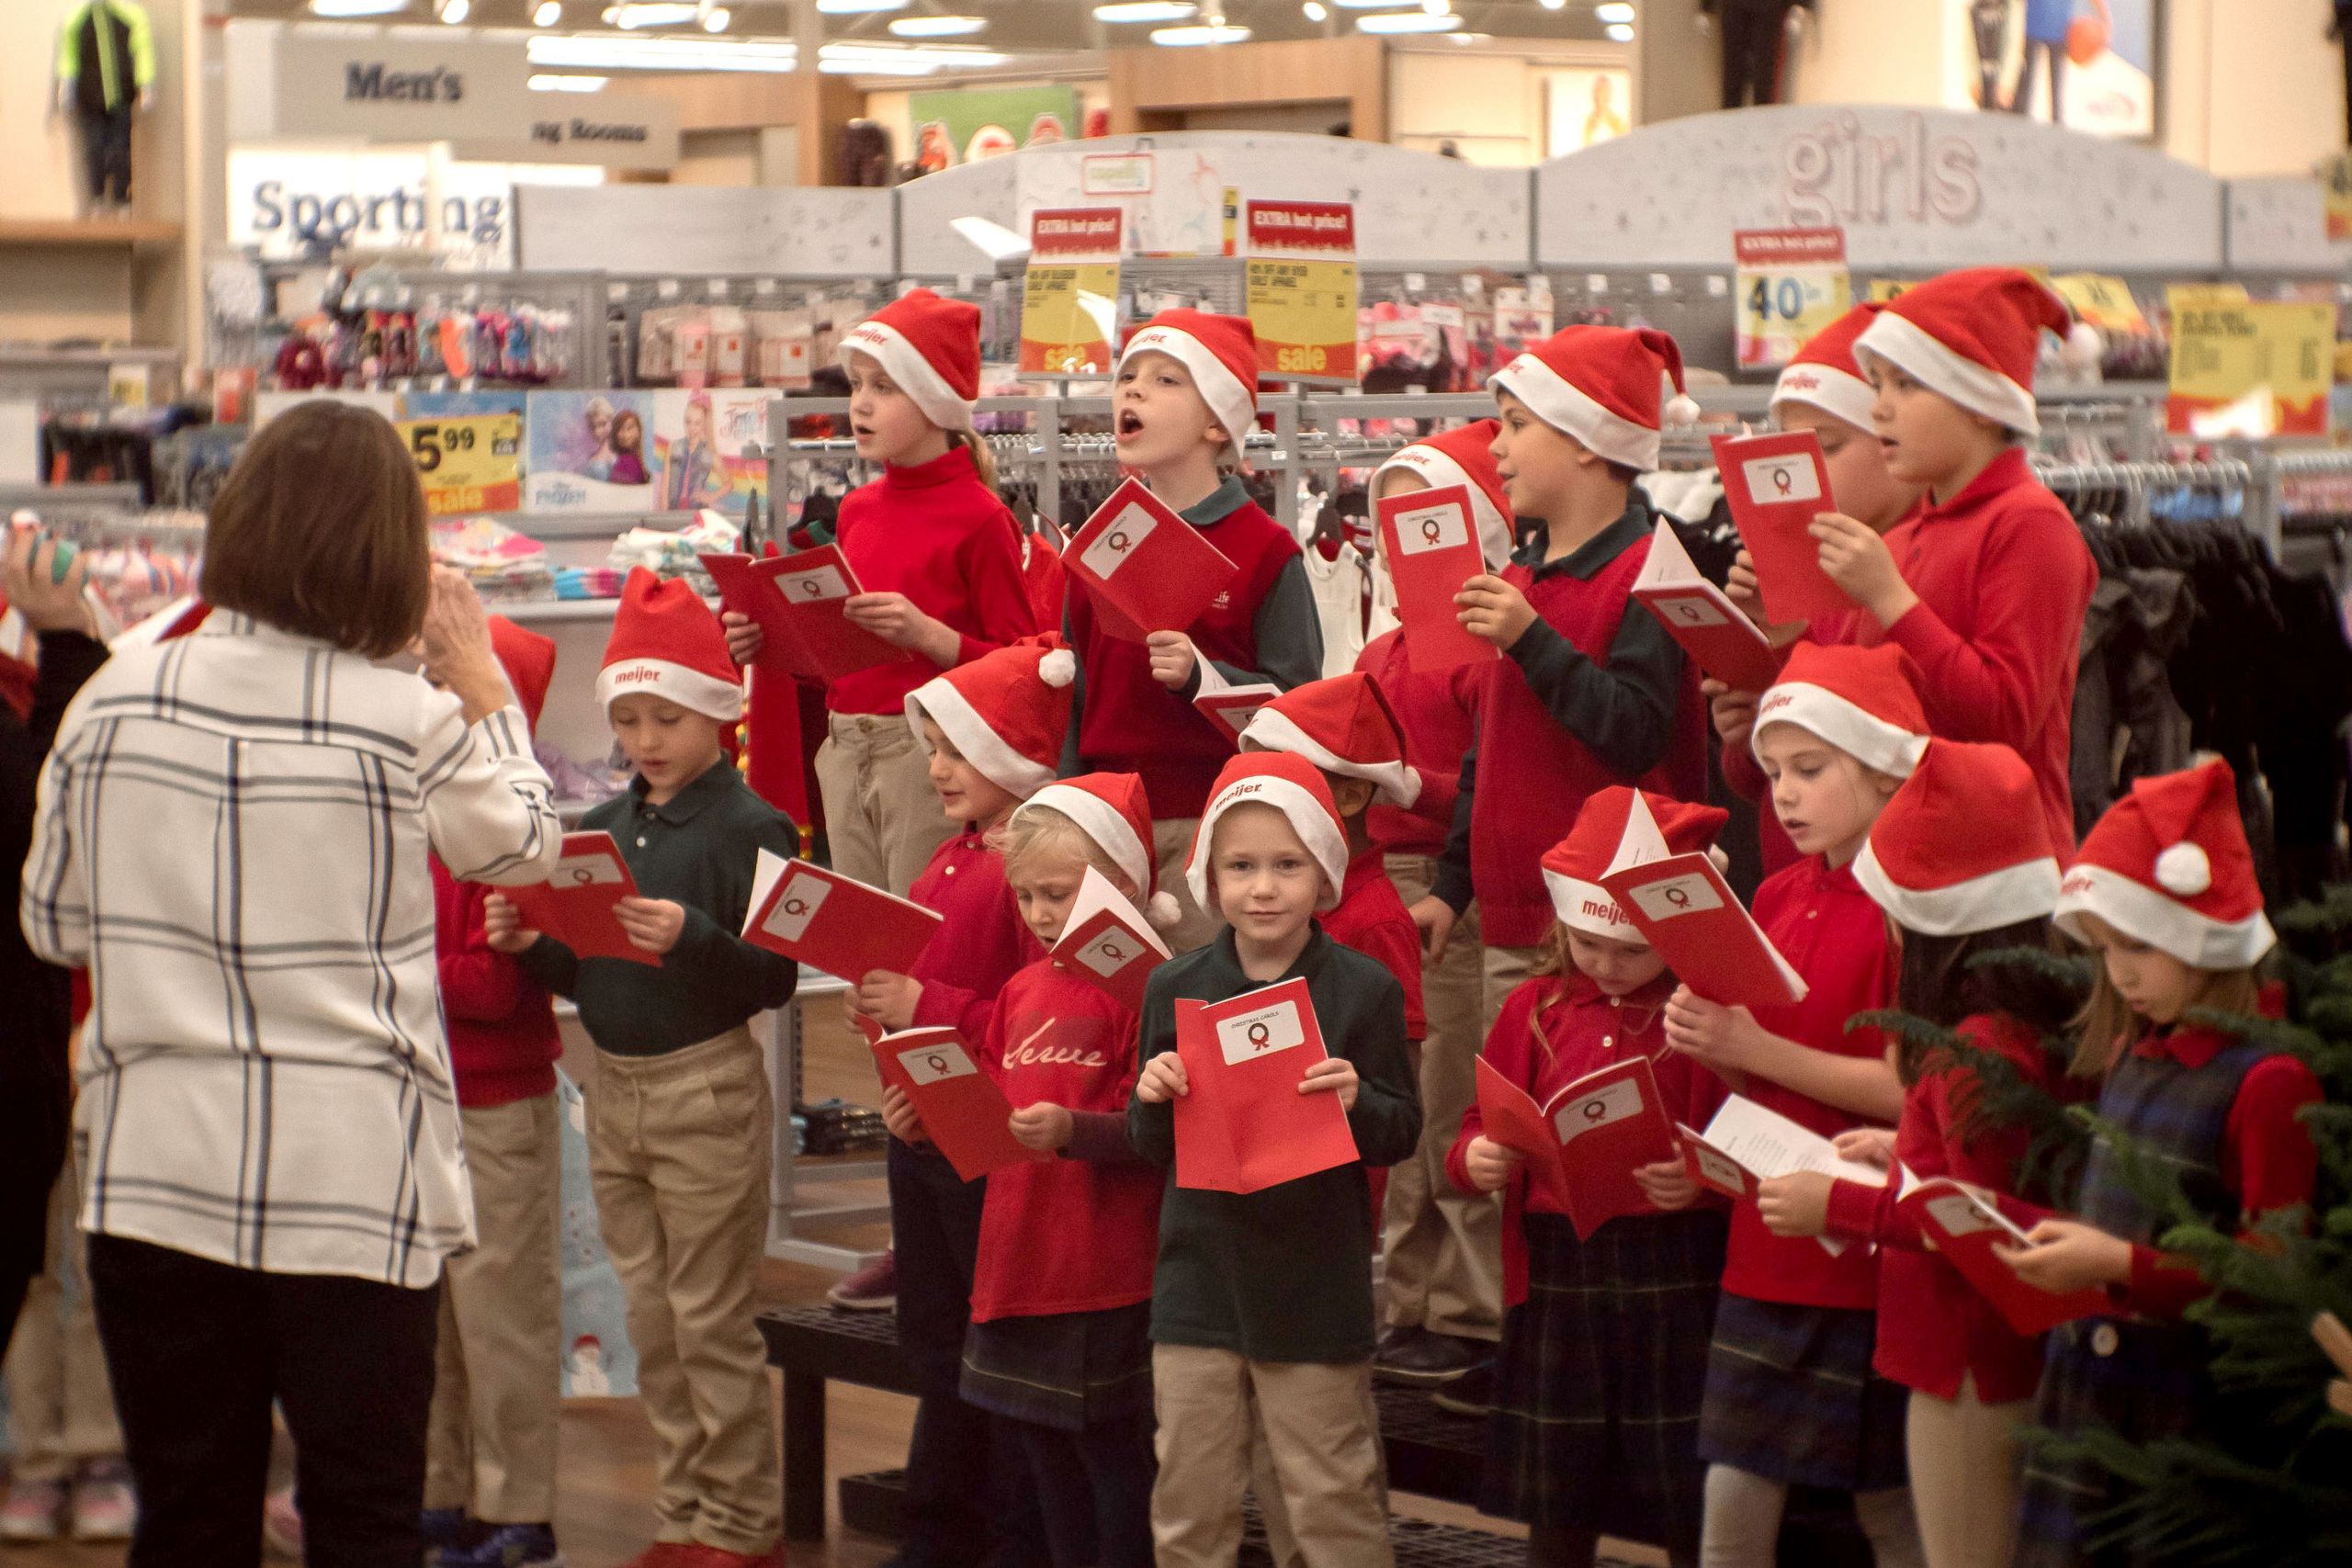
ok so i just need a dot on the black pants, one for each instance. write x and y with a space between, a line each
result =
1991 27
1094 1488
197 1350
105 151
1752 30
2036 50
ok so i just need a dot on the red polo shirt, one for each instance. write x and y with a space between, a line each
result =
981 942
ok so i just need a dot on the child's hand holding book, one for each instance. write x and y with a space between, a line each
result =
503 923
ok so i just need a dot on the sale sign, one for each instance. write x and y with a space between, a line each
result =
2249 369
473 464
1069 293
1300 288
1791 284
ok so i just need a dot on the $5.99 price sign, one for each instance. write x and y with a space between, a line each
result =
1300 288
1791 284
468 464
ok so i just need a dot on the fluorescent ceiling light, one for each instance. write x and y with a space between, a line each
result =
455 11
556 82
1316 11
937 27
1369 5
1406 22
858 8
1145 11
1436 7
602 52
714 20
1615 10
638 14
1193 36
357 7
547 13
1619 32
1552 4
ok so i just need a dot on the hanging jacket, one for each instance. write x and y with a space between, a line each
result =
106 50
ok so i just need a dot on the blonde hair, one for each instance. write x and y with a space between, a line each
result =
2107 1027
1034 831
983 460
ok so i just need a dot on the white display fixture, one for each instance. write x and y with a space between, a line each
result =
707 230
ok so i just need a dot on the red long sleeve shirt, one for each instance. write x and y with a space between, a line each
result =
935 533
1435 710
502 1040
1550 1032
981 944
1370 918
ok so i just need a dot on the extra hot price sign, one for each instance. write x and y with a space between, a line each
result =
1069 295
468 464
1791 283
1301 288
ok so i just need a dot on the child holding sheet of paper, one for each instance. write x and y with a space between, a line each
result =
1595 1423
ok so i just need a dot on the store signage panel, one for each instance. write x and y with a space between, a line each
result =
613 129
413 90
288 204
1912 189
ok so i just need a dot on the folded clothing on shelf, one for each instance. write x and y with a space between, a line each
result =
502 564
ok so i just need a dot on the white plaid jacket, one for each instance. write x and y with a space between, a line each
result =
232 834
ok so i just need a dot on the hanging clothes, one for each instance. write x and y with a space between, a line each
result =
1338 587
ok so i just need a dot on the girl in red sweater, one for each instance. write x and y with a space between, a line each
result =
1792 1399
1961 861
1061 1301
1596 1393
939 557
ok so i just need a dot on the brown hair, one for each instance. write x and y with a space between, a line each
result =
320 530
983 460
2107 1026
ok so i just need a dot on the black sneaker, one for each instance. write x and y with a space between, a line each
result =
1430 1358
1394 1338
1472 1393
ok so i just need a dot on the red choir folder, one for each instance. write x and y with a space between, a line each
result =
797 602
1685 909
1585 1140
1228 707
574 905
1432 551
1711 1167
964 1115
833 922
1719 639
1776 485
1966 1223
1242 1126
1146 569
1106 942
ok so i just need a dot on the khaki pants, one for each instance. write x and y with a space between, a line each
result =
1323 1433
1172 844
1443 1248
882 817
491 1445
1965 1477
680 1149
60 1407
1506 969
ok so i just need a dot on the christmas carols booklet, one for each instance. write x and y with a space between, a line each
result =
835 923
1243 1125
1585 1141
574 905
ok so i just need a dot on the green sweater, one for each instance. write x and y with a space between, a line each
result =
1283 1274
700 848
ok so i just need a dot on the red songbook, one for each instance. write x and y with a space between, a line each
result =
1242 1126
574 905
1686 910
1146 569
1108 943
797 602
1585 1140
833 922
1966 1223
1776 485
1228 707
1711 1167
1719 639
1432 551
964 1113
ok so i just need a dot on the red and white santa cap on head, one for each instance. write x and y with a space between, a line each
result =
1973 336
1864 701
931 347
2169 865
1343 726
666 642
1603 386
1221 351
1963 846
1113 810
529 661
1617 827
1291 785
1006 712
1463 455
1825 374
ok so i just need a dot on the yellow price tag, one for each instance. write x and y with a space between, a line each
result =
1885 289
1069 295
2104 302
1299 288
2250 369
1789 285
473 464
2335 195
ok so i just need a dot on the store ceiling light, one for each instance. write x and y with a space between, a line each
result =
455 11
1199 36
1553 5
1146 11
1615 10
602 52
714 20
546 13
558 82
858 8
937 27
1406 22
635 14
1436 7
1620 32
1316 11
339 8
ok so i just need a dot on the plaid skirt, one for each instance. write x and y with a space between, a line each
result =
1067 1370
1600 1376
2144 1379
1791 1396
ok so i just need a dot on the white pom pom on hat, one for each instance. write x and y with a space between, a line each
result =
1164 913
2084 347
1681 409
2184 869
1057 669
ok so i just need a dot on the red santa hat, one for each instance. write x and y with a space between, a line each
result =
1221 351
1864 701
1463 455
1291 787
1113 810
1963 846
528 659
1617 827
1825 374
1007 711
2169 865
1343 726
1973 336
931 347
1601 385
666 641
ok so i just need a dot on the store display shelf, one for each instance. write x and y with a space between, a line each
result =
90 233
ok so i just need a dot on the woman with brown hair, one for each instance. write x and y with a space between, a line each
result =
232 836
